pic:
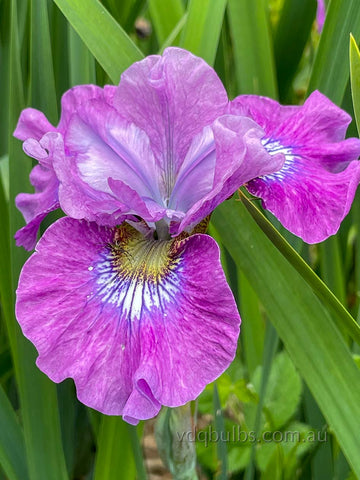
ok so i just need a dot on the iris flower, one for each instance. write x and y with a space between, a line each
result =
313 191
139 313
126 294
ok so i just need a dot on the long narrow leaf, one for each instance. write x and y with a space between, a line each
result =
171 39
114 455
125 12
12 447
42 87
292 33
37 393
355 79
4 74
82 63
270 347
5 267
107 41
341 315
253 325
165 16
219 422
330 72
253 55
303 323
202 30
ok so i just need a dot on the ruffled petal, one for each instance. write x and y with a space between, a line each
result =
263 110
172 98
32 124
317 121
77 97
307 199
138 323
100 145
313 191
240 157
27 236
35 206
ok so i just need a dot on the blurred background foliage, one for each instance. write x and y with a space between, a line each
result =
297 364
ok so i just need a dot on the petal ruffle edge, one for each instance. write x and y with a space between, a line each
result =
131 341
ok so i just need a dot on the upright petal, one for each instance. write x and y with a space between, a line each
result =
172 98
138 323
195 178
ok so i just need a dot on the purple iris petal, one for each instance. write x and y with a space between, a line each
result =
35 129
32 124
152 151
172 98
313 191
239 158
137 323
74 99
104 146
35 206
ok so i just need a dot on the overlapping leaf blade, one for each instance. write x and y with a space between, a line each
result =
96 26
165 16
114 451
37 393
253 55
355 78
330 72
202 31
304 325
12 446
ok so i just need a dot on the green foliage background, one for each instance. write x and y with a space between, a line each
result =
297 363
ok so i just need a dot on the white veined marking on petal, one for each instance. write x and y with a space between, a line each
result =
90 268
274 147
135 296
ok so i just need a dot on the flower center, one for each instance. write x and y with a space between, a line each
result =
137 273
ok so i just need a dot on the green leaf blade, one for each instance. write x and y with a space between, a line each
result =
114 451
330 73
12 446
355 79
201 33
42 87
165 16
37 393
342 316
253 54
95 26
306 328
